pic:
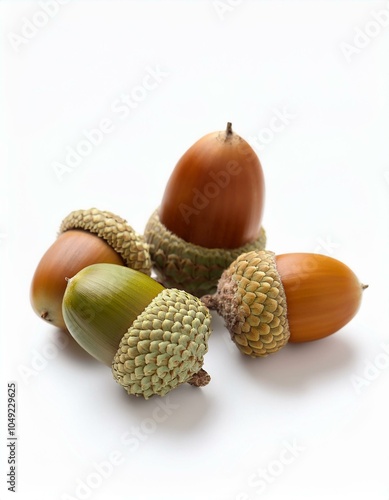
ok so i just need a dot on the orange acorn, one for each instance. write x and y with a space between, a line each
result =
268 300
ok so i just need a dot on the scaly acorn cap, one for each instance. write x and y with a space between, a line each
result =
116 232
165 346
251 299
190 267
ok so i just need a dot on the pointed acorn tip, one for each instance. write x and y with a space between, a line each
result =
45 315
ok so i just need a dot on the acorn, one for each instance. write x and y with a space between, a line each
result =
267 300
153 338
85 237
211 212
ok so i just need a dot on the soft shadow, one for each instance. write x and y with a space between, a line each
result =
297 366
185 407
181 409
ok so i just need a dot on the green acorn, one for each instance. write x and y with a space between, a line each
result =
153 338
211 213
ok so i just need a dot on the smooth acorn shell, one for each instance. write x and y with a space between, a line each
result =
100 304
72 251
215 195
322 294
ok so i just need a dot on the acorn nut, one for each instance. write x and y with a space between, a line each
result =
85 237
153 338
268 300
211 212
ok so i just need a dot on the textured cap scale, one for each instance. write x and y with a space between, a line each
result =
190 267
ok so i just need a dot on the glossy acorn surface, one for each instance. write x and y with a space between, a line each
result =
71 251
322 294
101 302
215 195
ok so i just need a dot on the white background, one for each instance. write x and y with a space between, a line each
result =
327 179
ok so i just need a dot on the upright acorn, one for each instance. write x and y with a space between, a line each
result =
85 237
268 300
154 339
210 213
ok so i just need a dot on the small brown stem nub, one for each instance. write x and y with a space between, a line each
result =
229 128
200 379
364 287
209 301
45 316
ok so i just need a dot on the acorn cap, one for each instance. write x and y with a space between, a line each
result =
116 232
165 346
251 299
190 267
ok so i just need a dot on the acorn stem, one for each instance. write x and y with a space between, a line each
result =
200 379
209 301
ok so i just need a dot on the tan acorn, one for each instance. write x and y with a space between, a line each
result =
85 237
268 300
211 212
154 339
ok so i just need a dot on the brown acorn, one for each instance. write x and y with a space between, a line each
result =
211 212
85 237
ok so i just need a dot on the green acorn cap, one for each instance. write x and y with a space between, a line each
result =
116 232
165 346
251 299
190 267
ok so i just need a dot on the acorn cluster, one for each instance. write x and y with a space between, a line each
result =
140 303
